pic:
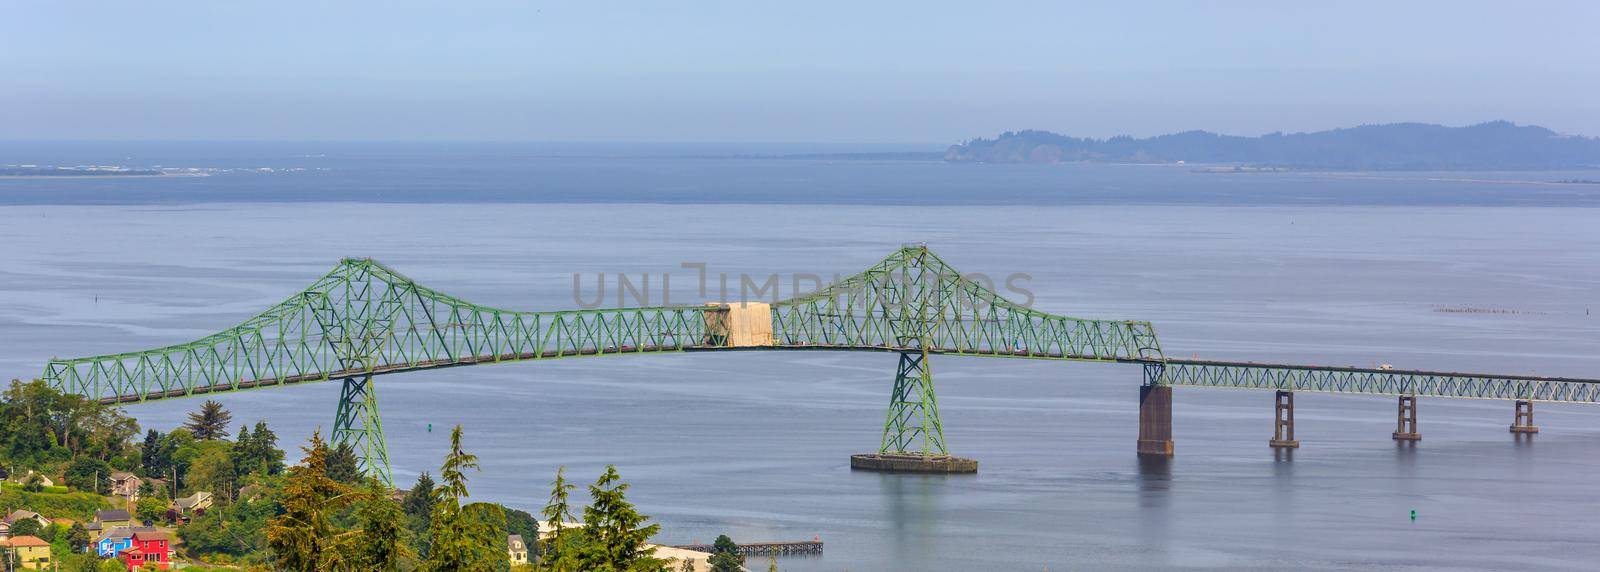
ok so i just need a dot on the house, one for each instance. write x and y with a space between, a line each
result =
20 514
125 484
149 547
12 519
195 503
516 549
250 492
113 518
43 480
118 539
33 553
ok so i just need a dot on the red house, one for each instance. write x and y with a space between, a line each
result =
148 546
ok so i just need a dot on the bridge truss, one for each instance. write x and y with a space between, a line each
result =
363 320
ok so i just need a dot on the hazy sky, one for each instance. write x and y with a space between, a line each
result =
862 71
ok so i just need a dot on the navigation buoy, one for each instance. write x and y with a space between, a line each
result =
1413 514
430 427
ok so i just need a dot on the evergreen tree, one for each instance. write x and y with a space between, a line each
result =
556 552
458 539
77 537
150 455
380 544
301 537
614 535
419 500
257 452
725 555
26 527
343 466
266 449
210 422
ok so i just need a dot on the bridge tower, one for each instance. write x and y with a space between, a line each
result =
356 423
357 316
913 298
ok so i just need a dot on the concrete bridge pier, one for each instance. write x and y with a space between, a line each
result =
1406 423
1523 423
1283 422
1155 420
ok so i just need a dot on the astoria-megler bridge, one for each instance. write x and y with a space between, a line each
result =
364 320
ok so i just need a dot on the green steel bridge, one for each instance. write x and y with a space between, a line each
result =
364 320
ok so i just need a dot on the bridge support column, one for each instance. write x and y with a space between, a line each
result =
1523 423
1406 422
357 424
1283 422
1155 420
913 436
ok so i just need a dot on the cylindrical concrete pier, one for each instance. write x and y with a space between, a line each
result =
912 463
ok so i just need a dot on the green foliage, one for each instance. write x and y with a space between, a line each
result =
343 466
77 537
380 544
212 469
614 536
558 552
418 506
33 484
42 428
210 422
725 555
256 452
150 509
154 458
462 538
74 505
236 530
27 527
302 537
89 474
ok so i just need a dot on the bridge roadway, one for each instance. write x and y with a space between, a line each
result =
364 319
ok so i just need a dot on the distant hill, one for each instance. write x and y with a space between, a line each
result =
1396 146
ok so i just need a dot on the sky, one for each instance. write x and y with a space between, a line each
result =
815 71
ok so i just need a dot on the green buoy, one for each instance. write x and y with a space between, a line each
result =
1413 514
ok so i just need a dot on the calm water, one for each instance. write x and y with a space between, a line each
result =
756 444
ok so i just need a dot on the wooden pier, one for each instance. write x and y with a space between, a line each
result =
803 547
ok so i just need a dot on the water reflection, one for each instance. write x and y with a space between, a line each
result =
1155 492
912 503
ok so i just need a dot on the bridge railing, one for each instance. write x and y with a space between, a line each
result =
1372 381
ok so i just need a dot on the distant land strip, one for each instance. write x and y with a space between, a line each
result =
1495 145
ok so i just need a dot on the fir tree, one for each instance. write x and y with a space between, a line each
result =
380 544
210 422
343 466
77 537
556 551
458 540
614 535
725 555
151 458
301 537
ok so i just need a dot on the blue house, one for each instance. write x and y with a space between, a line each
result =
116 540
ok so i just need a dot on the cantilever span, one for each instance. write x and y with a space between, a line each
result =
363 319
